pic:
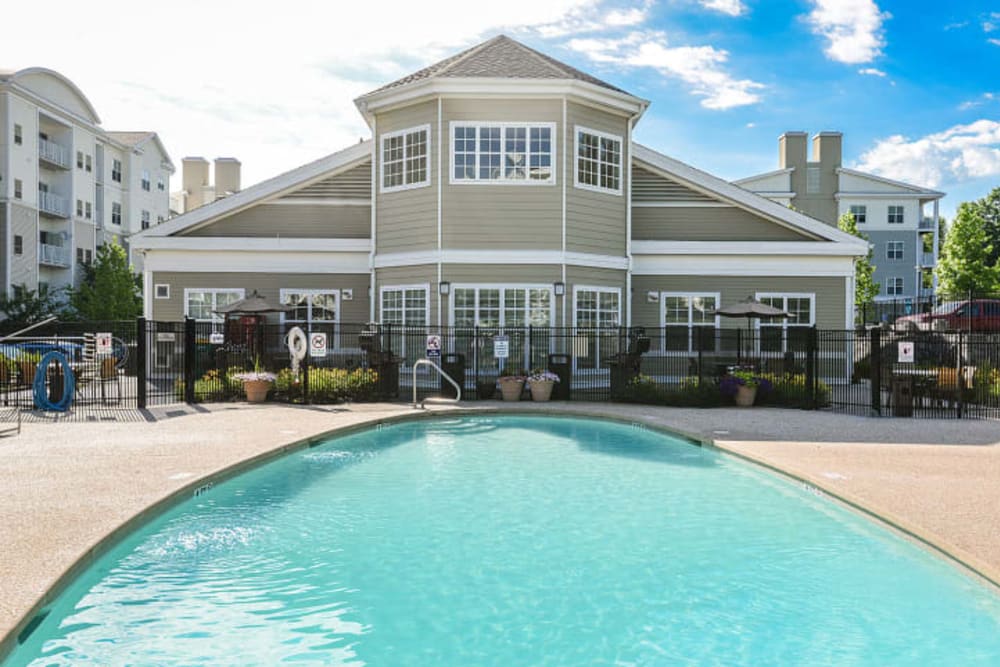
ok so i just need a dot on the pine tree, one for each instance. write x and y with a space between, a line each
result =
109 289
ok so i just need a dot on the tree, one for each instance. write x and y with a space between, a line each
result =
968 258
987 210
865 287
109 289
28 306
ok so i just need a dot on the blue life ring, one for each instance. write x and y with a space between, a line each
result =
42 401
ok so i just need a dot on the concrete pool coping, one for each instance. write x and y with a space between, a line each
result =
128 482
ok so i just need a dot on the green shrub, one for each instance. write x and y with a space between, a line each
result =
786 391
329 385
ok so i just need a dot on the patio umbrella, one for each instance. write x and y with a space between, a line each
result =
254 304
751 308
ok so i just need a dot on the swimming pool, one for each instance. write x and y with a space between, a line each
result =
515 540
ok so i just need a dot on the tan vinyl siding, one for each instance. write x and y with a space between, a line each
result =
585 275
502 216
423 274
24 268
355 183
595 221
502 274
650 187
269 286
830 294
293 221
706 223
406 220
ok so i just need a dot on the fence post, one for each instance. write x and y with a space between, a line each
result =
701 356
739 346
188 360
875 370
959 375
811 368
140 362
305 378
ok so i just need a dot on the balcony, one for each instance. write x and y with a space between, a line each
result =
52 205
926 225
53 154
53 255
927 259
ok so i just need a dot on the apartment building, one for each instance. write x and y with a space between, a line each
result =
502 188
197 188
900 219
66 184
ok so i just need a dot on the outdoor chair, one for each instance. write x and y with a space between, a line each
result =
949 385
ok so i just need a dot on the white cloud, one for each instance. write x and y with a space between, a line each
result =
853 29
994 41
701 67
871 71
957 154
983 99
730 7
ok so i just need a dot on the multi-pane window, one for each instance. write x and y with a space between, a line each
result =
18 188
88 210
160 185
79 159
860 213
598 160
895 215
791 334
404 158
202 304
812 180
159 219
405 305
503 152
894 250
79 208
116 213
18 245
689 321
88 256
597 307
116 171
145 180
79 255
144 217
18 134
310 306
894 286
502 306
88 161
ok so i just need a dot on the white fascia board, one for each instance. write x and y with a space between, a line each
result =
519 257
749 248
261 261
719 188
769 174
298 177
888 181
247 244
923 196
762 265
499 87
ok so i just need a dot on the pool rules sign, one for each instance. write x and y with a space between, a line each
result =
317 345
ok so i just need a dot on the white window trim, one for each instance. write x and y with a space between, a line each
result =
577 129
889 214
381 160
309 291
892 280
789 295
501 286
902 247
596 288
863 211
690 326
214 290
501 181
426 287
156 291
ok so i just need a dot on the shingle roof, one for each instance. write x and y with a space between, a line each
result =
503 58
130 138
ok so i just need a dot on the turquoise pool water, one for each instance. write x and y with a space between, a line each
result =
516 541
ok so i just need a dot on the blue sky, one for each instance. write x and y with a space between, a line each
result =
913 85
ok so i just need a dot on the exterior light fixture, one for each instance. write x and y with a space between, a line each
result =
444 287
559 288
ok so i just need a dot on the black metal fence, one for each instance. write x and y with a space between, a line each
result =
966 311
140 364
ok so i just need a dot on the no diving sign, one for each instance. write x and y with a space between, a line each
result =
434 346
317 345
905 352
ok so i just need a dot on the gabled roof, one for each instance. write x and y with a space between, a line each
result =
298 177
768 174
915 189
734 194
13 76
135 140
502 58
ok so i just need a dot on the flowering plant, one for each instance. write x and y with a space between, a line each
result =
255 376
731 383
507 375
542 376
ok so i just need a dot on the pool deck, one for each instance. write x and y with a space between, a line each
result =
65 487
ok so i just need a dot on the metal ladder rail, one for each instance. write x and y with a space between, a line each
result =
428 362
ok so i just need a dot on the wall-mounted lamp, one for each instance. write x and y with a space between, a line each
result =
652 297
444 288
559 288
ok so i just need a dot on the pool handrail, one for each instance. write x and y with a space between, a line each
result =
428 362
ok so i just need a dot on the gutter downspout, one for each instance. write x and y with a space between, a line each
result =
372 294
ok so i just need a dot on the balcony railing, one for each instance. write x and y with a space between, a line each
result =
53 205
927 259
926 224
53 255
53 153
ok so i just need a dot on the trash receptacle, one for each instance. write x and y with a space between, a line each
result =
453 364
902 396
561 365
388 375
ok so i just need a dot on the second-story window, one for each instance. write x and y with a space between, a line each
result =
598 161
894 250
145 219
79 208
895 215
116 171
404 159
116 213
88 162
503 153
18 135
145 180
88 210
860 214
160 185
79 159
18 188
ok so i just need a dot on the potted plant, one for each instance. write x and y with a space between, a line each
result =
743 385
511 385
256 383
541 382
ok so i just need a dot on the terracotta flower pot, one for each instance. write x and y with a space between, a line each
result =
541 390
256 390
745 396
108 368
511 389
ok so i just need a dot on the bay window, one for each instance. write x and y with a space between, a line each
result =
405 305
503 153
501 306
598 161
404 159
